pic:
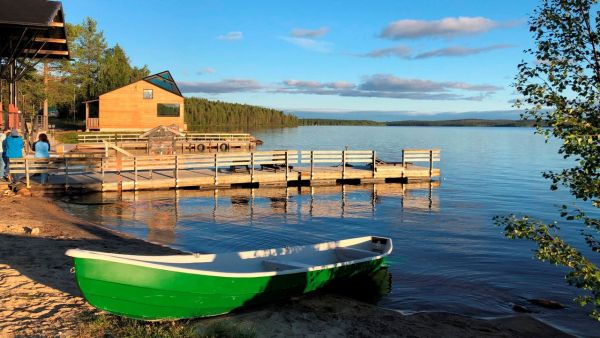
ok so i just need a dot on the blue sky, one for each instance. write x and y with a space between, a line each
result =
334 56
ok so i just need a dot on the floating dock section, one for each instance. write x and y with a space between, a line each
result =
222 170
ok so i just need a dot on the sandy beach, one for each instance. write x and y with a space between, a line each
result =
39 297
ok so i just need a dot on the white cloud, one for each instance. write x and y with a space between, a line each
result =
231 36
404 52
378 85
446 28
309 44
223 86
389 86
309 33
459 51
206 70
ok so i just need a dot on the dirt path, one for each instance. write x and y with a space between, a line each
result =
39 297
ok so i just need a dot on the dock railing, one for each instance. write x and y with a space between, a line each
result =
421 155
277 161
190 137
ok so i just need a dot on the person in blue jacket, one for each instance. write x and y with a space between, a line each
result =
13 149
42 150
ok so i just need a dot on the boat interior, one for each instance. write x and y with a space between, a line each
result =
283 259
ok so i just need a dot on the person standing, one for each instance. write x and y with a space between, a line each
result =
4 157
2 162
42 150
13 149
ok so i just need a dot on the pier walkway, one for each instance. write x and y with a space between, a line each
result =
219 170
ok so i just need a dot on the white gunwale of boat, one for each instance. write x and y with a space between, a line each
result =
269 255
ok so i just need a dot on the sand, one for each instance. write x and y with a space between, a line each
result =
39 297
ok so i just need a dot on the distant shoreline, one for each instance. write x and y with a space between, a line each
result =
420 123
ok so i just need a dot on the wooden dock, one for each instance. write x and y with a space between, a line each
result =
190 142
221 170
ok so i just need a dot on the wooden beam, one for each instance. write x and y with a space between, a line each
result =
57 24
51 40
46 52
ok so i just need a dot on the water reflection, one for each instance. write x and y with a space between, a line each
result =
160 213
369 288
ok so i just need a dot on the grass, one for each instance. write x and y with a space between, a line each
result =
66 136
93 324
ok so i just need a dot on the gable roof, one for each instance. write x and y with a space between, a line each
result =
165 81
172 129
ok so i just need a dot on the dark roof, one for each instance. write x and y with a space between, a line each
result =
32 29
165 81
28 12
162 80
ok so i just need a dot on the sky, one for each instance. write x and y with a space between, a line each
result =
420 57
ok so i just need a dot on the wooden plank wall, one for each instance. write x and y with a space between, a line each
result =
126 109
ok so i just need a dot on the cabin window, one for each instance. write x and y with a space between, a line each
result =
167 110
148 94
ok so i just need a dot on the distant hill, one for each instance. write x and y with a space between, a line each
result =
385 116
418 123
333 122
201 114
464 123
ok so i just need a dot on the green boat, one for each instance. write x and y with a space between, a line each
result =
202 285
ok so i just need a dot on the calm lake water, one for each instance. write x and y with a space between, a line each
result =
448 254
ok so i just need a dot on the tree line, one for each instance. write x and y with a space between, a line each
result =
202 113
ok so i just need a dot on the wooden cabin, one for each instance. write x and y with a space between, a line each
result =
142 105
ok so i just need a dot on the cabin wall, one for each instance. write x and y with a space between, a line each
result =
125 109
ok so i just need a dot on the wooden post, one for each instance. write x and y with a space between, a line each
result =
343 164
312 165
119 163
102 168
374 163
45 106
252 167
66 173
135 173
216 168
430 162
176 171
287 168
403 160
27 172
87 117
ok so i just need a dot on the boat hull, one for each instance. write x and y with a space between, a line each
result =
154 294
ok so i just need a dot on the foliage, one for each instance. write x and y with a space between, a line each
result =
93 324
87 51
561 86
200 113
114 70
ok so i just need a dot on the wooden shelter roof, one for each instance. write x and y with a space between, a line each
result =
32 29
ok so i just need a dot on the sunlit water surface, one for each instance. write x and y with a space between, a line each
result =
448 254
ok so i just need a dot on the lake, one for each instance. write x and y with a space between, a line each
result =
448 254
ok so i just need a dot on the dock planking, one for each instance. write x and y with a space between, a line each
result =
222 170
